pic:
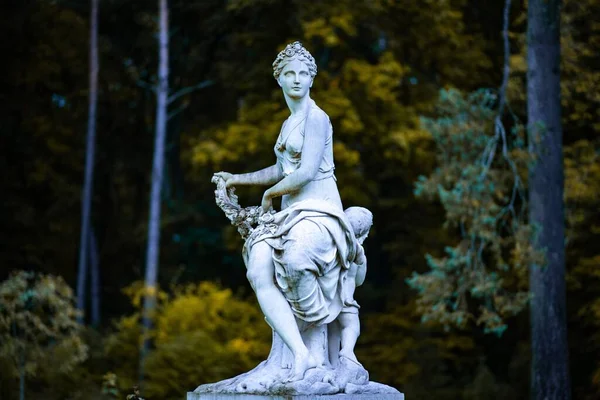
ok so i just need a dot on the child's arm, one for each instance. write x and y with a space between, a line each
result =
361 266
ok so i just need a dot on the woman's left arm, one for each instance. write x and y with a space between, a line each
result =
315 135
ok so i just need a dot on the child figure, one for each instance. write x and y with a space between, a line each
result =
361 221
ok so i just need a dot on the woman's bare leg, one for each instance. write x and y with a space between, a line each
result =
261 275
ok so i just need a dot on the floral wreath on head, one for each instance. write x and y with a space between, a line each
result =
294 50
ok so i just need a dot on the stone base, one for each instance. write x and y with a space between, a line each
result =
343 379
369 391
370 396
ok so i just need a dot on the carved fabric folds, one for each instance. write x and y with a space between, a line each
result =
288 149
312 248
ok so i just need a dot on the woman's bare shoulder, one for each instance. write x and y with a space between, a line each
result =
318 117
318 113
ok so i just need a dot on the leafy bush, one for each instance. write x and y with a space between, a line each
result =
202 333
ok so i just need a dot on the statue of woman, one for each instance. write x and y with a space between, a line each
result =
295 270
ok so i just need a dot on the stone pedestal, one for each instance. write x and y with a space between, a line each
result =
373 396
344 380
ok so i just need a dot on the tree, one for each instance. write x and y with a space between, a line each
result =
162 93
472 205
481 160
582 185
86 199
95 277
38 323
579 97
202 333
475 206
549 365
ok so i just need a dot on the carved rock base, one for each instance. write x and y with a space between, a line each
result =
372 396
347 380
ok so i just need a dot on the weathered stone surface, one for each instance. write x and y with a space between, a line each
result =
371 396
303 262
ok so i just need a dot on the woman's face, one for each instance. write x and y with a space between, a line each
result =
295 79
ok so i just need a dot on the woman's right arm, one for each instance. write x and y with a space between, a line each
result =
267 176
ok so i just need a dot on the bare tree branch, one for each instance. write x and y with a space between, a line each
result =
490 151
189 89
146 85
177 111
506 71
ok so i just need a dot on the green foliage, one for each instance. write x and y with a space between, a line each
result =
582 185
579 82
580 61
202 333
135 395
50 64
582 182
38 324
580 85
429 358
482 192
109 385
485 386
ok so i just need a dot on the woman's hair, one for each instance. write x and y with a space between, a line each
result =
360 219
294 51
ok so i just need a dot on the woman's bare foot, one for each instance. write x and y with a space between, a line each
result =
350 356
302 363
271 377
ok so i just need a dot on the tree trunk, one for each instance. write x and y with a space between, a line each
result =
152 253
22 376
549 364
86 202
95 275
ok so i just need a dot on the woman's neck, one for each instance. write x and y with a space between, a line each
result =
298 106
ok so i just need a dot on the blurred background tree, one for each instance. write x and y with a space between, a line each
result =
38 326
201 333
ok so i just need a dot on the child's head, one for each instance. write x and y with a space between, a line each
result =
361 221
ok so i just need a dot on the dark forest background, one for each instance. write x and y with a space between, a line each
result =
392 75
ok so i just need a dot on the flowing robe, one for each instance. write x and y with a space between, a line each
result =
313 243
311 249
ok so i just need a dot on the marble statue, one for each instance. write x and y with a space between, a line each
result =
305 261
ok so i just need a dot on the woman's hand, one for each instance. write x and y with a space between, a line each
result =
267 202
227 177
